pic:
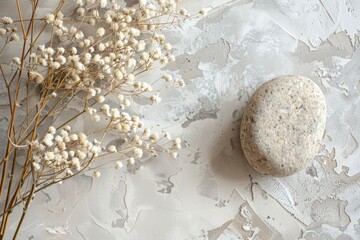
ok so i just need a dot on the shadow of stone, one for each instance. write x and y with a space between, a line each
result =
228 160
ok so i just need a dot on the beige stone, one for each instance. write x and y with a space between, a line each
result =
283 124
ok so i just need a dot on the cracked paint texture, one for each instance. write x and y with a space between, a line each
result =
210 192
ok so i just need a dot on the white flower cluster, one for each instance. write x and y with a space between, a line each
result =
125 44
66 152
88 65
63 151
133 131
101 58
9 34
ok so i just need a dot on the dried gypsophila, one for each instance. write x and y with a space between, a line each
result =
95 56
110 59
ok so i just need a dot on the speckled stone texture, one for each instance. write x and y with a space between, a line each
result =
283 124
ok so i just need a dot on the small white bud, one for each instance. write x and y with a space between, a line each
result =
120 97
203 12
50 18
131 161
119 165
101 99
112 149
174 154
36 166
80 154
97 174
167 47
127 102
52 130
100 32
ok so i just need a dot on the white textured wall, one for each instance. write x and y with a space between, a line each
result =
210 192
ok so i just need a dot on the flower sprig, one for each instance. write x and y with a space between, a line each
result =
95 59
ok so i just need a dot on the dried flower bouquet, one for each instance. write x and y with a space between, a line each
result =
92 59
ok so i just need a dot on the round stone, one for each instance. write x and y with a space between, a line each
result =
283 124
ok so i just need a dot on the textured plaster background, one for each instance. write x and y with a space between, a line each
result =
210 192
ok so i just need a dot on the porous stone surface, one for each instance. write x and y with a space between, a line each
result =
283 124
